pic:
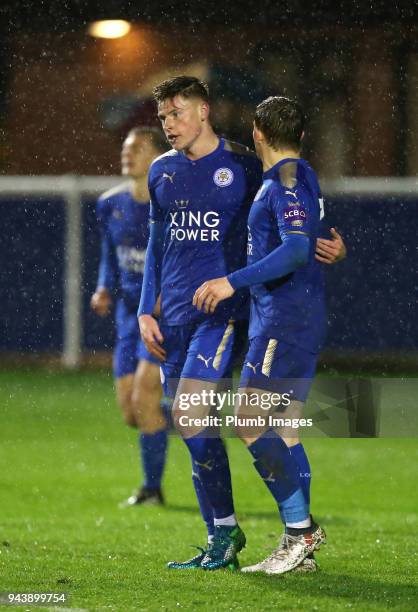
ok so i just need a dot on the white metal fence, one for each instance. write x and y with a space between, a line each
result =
71 189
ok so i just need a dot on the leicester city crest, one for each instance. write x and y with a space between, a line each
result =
223 177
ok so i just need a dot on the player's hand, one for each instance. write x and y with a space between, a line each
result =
330 251
101 302
208 296
151 335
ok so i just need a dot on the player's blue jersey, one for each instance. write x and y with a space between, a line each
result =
124 227
291 308
203 208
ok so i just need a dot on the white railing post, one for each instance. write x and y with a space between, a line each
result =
72 320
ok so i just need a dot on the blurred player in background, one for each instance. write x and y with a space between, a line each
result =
123 216
287 322
201 192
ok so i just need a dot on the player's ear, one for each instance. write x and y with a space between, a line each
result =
204 111
257 134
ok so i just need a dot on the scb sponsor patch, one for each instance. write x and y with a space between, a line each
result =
295 212
223 177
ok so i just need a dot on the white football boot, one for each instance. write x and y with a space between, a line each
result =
291 553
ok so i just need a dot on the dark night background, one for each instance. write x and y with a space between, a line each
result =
338 59
64 16
67 100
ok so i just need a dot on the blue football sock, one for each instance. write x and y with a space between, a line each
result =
299 454
153 453
204 504
294 509
279 471
166 409
212 466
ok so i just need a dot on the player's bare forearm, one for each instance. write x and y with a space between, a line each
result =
330 251
151 336
208 295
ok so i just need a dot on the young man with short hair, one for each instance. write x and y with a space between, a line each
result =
200 192
287 321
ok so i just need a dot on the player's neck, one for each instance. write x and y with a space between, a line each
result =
205 143
270 157
139 189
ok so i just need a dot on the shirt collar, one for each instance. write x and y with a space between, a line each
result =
272 172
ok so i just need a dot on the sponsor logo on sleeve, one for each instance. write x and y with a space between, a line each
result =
298 213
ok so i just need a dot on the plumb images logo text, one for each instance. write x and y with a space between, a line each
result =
246 422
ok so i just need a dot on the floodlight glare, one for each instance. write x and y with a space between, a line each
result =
109 28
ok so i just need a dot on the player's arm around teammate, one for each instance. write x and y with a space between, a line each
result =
208 295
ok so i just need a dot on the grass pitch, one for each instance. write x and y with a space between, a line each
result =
66 461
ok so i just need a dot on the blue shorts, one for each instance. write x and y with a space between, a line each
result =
129 348
203 351
279 367
240 347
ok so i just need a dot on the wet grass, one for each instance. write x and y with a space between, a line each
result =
66 461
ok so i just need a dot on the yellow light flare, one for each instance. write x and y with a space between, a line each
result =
109 28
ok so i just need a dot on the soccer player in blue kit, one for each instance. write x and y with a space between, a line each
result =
287 321
201 192
123 215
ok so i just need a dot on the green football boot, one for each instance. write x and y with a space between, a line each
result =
227 542
193 563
